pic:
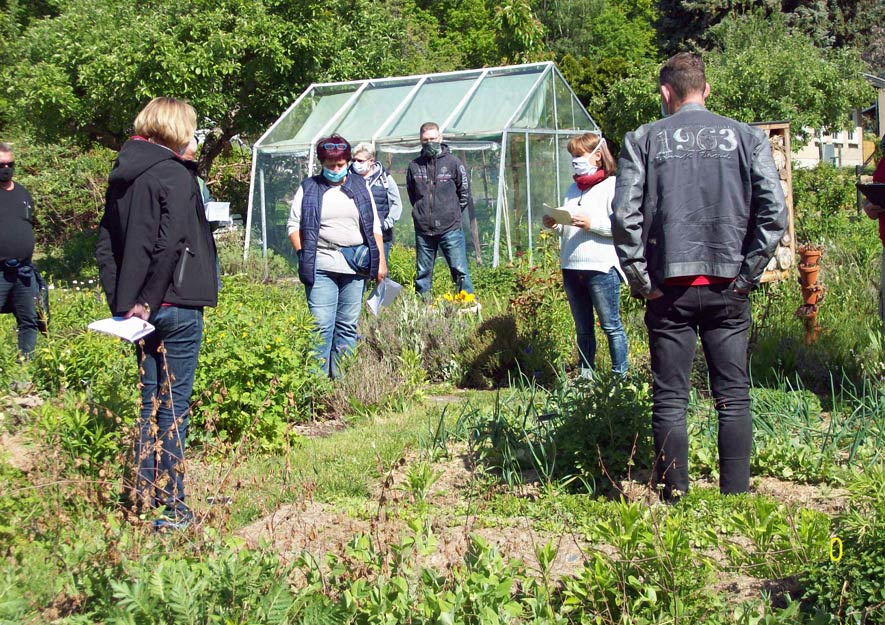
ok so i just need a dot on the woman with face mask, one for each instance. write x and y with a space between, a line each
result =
336 233
384 190
590 270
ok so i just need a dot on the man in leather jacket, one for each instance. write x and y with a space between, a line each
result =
698 213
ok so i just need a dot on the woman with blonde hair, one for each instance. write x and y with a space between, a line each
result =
590 270
157 262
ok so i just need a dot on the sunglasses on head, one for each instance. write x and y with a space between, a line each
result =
9 164
334 146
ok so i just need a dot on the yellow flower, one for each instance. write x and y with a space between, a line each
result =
469 297
447 297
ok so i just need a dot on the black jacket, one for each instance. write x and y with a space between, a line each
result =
439 190
154 243
697 194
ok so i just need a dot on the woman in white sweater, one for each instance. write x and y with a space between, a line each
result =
590 269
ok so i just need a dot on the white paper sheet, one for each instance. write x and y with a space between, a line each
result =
131 329
383 295
218 211
559 215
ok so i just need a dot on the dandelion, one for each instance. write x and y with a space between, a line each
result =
448 297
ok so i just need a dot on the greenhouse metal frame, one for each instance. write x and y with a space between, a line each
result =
510 126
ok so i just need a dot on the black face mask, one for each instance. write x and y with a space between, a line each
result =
6 174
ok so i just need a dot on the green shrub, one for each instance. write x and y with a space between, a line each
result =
849 581
534 337
604 430
80 361
824 198
257 372
373 382
88 435
654 576
226 583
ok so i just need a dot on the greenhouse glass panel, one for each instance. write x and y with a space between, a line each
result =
278 179
514 218
434 102
565 112
583 121
538 112
542 187
565 170
371 109
494 103
318 111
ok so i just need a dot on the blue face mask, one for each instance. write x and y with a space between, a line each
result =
334 177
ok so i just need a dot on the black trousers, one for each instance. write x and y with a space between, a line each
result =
721 317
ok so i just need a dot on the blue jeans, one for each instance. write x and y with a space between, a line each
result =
20 285
455 252
721 317
593 290
167 380
334 301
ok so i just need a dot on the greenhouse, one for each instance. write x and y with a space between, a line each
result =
510 125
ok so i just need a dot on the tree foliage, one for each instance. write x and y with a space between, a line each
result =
760 70
85 72
690 24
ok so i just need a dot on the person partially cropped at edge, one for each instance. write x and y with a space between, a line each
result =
590 270
698 213
18 285
878 212
157 262
332 218
439 190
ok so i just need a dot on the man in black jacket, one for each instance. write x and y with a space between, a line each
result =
439 190
18 284
698 213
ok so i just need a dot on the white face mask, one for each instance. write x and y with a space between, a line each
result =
582 166
582 163
361 168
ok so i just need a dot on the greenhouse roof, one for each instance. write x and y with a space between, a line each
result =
470 104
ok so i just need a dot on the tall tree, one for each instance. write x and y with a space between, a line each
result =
85 72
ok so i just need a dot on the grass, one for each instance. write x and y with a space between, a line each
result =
340 468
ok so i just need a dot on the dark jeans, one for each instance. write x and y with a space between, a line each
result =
593 290
454 250
168 362
20 286
722 319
